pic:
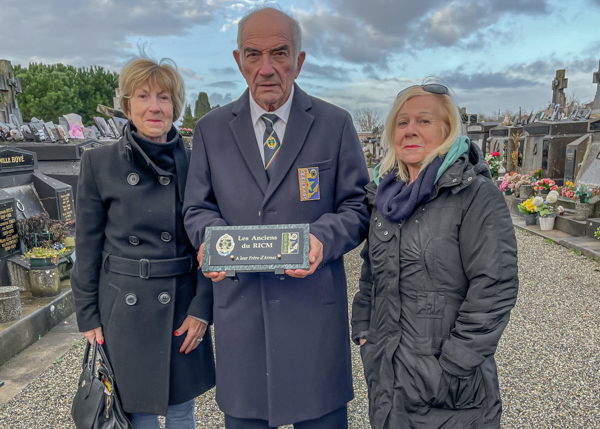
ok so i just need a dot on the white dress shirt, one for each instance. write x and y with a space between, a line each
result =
283 113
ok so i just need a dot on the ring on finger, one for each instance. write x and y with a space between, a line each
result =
199 340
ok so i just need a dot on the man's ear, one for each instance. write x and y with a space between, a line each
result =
238 60
301 59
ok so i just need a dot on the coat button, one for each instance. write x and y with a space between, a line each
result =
134 240
379 225
133 179
454 180
164 298
130 299
385 233
469 179
375 218
164 180
166 237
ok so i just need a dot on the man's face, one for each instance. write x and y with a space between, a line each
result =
266 58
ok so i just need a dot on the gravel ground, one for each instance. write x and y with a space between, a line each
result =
548 358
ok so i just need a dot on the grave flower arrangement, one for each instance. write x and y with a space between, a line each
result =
537 174
545 185
527 206
505 182
582 194
543 207
494 161
568 191
186 132
47 254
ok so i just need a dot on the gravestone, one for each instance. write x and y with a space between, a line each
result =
574 156
590 156
10 86
559 84
479 134
596 80
10 304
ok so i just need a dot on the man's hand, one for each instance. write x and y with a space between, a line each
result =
94 334
215 276
362 341
315 258
195 332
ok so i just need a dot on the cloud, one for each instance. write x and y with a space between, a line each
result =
83 32
458 80
225 84
224 71
325 72
188 72
216 98
371 32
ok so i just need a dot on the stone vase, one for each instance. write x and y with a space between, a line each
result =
583 211
45 281
525 191
530 218
10 304
547 223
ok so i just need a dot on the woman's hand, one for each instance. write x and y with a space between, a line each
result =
361 341
195 331
94 334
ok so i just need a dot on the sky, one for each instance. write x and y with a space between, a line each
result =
494 55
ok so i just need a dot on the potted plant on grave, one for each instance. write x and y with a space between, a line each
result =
529 212
494 160
545 210
568 190
504 186
544 186
583 209
43 256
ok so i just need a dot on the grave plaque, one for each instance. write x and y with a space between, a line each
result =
65 205
594 126
16 160
263 248
9 236
570 164
88 146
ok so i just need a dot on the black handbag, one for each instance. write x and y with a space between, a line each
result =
96 404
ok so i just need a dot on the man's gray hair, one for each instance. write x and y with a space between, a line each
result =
296 30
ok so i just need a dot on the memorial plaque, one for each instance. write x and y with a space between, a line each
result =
260 248
570 164
65 205
9 235
11 158
594 126
88 146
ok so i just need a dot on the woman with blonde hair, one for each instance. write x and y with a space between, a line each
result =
439 276
135 280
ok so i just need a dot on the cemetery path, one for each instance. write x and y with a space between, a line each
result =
548 358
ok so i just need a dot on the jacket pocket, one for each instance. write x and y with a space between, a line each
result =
461 393
321 165
108 303
431 304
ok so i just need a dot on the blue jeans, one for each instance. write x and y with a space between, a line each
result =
180 416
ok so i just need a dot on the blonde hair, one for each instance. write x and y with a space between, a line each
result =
451 126
162 74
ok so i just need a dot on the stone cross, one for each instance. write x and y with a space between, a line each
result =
558 88
596 80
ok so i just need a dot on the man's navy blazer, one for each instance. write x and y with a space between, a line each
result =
283 350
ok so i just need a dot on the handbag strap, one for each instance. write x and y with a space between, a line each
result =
86 356
106 362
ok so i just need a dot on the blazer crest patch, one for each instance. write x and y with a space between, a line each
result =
308 179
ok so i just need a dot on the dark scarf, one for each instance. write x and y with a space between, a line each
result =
166 159
396 200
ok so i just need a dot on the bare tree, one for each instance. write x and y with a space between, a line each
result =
368 120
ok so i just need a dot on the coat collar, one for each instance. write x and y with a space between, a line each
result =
299 124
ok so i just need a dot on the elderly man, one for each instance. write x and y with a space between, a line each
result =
283 351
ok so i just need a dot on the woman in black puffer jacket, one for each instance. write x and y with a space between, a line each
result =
439 276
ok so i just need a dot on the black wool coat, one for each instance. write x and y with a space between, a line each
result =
435 296
128 206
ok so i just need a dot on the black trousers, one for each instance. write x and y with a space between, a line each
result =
337 419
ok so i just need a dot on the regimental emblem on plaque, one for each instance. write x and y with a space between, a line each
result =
308 179
225 245
290 243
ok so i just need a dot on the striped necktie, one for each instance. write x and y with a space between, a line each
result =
271 144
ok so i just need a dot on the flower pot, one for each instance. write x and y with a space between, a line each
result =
45 281
508 192
530 218
582 198
545 191
40 262
547 223
525 191
583 211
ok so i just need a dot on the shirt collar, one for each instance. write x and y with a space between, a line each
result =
283 112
